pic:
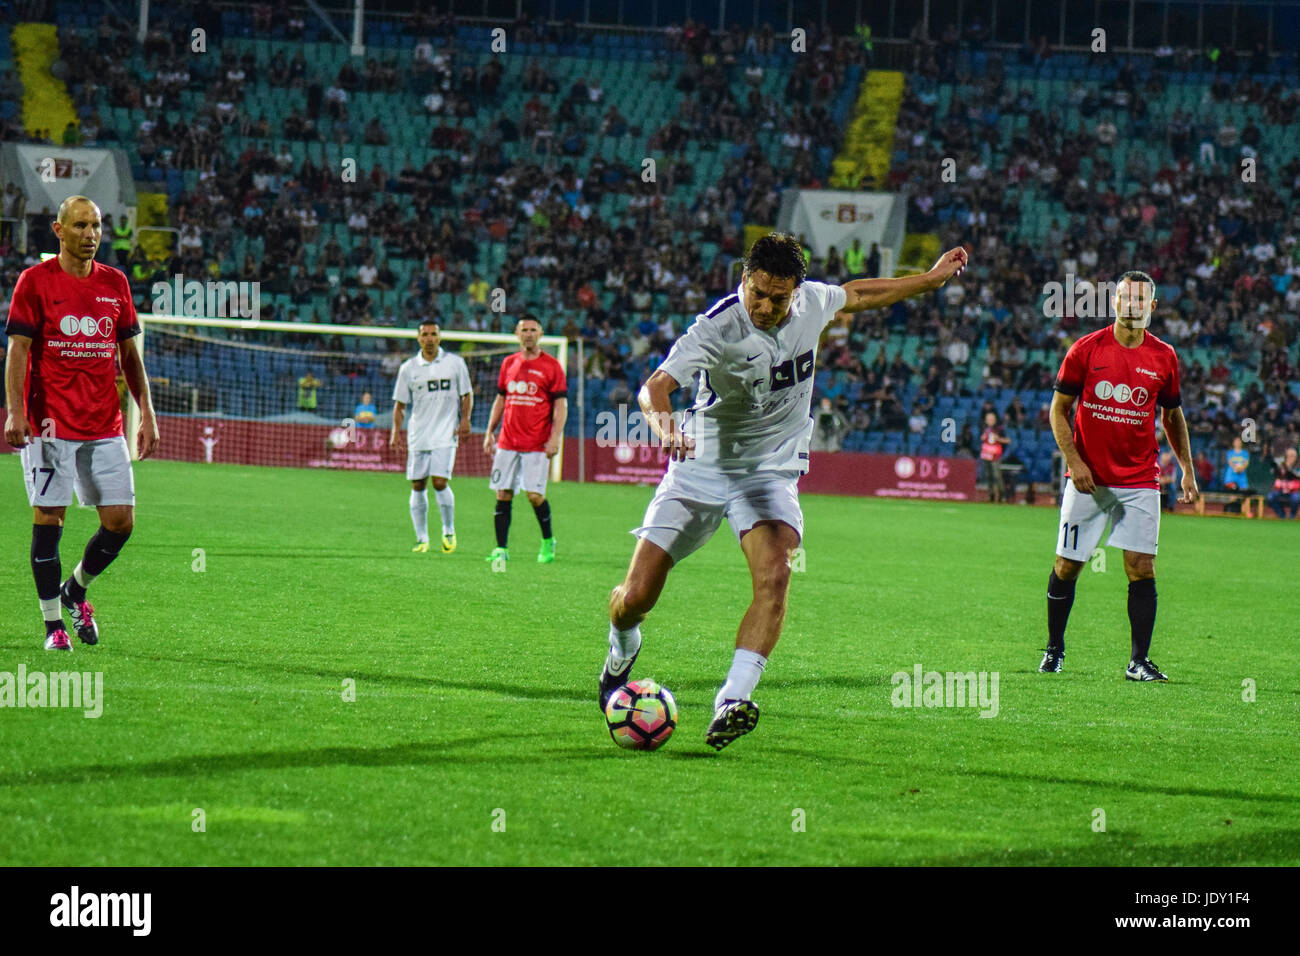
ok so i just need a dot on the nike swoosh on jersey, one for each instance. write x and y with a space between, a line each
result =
750 358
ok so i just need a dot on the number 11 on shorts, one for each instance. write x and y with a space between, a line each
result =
1066 528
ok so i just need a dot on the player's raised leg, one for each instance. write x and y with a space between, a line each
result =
1141 571
629 603
767 546
446 499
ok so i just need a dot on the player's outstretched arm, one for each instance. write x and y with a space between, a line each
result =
17 428
137 380
1180 441
657 407
863 294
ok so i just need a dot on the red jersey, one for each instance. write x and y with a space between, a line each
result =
75 326
1119 389
530 387
990 448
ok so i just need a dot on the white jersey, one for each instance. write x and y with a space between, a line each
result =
753 400
431 392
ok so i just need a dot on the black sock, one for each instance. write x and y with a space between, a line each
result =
46 567
101 550
543 512
1060 598
502 517
1142 615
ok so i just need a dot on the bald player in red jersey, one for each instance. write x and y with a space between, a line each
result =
70 322
532 406
1120 375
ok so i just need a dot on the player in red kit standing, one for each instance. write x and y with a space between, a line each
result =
70 321
532 406
1120 374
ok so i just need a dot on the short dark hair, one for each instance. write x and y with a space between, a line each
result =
1137 276
424 322
779 255
529 317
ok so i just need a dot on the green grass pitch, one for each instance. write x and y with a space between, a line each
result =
474 737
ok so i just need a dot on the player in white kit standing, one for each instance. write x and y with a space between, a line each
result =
740 453
435 386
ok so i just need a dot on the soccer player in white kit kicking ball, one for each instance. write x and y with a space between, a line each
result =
72 320
740 453
1120 374
435 386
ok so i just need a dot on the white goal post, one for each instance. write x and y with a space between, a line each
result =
246 373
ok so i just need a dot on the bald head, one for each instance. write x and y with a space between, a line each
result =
79 227
77 206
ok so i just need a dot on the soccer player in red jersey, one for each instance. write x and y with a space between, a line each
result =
70 322
1119 374
532 406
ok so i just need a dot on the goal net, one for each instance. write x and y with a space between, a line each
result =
293 394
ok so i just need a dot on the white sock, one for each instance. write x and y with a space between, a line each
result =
83 577
746 669
447 508
623 646
420 514
51 609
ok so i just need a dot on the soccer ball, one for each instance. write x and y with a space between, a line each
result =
641 715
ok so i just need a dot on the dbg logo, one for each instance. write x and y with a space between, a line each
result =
86 325
1121 392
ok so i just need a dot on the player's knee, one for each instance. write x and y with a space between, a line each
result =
1066 569
49 516
505 495
535 499
439 484
772 582
631 599
418 484
119 523
1139 567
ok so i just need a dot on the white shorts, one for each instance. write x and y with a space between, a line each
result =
436 462
520 471
100 471
689 504
1134 514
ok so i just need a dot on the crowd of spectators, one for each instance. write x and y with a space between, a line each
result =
1224 251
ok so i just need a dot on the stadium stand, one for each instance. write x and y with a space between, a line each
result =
524 173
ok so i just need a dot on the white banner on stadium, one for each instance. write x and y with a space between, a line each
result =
50 174
827 217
